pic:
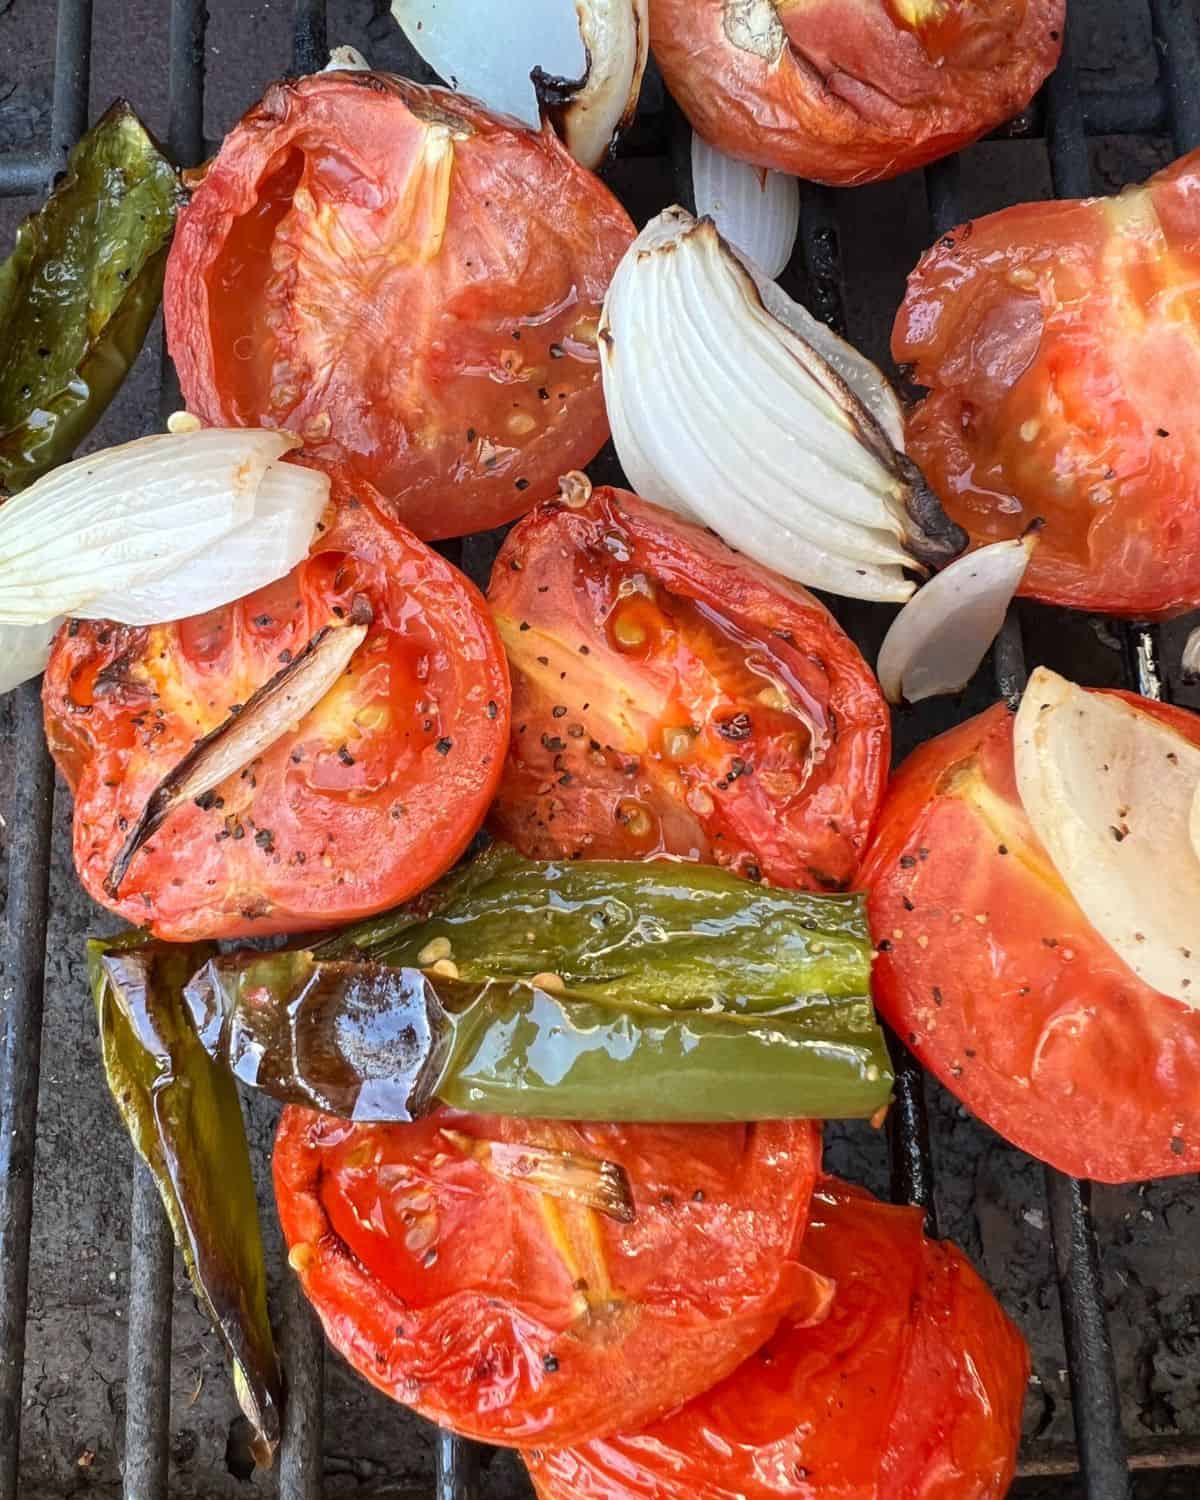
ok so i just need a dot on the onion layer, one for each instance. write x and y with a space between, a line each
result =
153 530
1111 792
757 211
936 642
732 405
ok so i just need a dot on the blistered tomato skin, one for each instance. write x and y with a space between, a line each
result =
368 799
910 1388
519 1318
1002 987
1060 343
852 91
411 284
672 697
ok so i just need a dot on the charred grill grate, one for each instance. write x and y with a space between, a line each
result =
1065 116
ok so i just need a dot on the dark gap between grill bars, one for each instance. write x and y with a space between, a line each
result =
1065 117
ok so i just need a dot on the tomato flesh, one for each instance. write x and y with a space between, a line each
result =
370 797
1002 987
911 1388
852 91
1061 346
516 1317
967 31
409 283
673 698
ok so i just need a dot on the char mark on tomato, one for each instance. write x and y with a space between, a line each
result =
370 796
411 284
519 1317
672 698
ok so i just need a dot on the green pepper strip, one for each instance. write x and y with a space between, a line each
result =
182 1113
79 292
668 992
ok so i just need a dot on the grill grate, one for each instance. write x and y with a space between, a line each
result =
1065 115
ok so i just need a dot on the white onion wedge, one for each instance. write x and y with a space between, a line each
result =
757 211
936 642
579 61
288 506
1191 654
165 526
726 406
1111 792
24 651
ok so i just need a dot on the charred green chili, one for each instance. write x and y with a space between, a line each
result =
667 992
182 1112
79 292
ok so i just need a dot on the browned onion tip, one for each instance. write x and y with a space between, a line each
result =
597 1184
243 736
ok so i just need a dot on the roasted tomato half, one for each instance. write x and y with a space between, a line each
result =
910 1389
850 91
372 795
451 1280
409 283
671 697
1004 989
1061 346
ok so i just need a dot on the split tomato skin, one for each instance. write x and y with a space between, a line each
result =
376 791
516 1318
1060 343
407 281
671 697
910 1388
852 91
1001 986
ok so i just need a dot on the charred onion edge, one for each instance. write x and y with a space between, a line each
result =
934 538
590 1180
317 667
557 97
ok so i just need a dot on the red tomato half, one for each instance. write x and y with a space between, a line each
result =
373 795
671 697
1002 987
408 282
851 91
1061 345
910 1389
515 1317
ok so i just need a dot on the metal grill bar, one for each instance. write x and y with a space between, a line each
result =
458 1465
303 1351
1095 1399
20 1055
28 890
148 1389
151 1250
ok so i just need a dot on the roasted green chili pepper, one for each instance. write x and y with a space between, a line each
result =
182 1112
664 992
79 292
